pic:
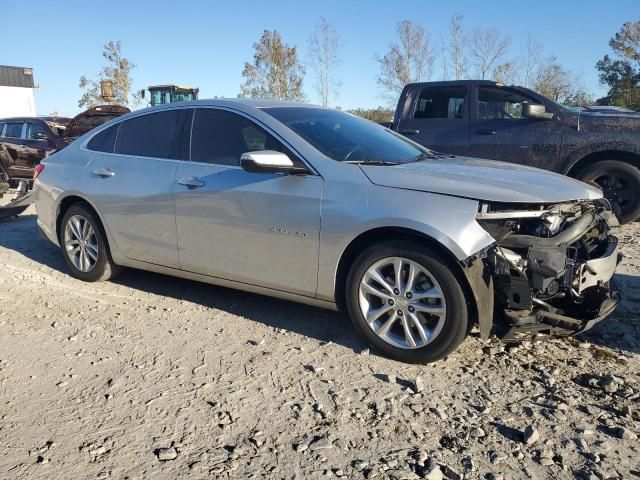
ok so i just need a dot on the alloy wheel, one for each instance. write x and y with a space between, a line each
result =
617 190
402 302
81 243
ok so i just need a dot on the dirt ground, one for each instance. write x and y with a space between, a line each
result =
155 377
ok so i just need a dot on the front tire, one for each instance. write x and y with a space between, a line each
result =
407 302
85 247
620 183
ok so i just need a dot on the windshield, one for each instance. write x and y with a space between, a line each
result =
347 138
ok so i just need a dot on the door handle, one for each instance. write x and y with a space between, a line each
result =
409 131
191 182
104 172
486 132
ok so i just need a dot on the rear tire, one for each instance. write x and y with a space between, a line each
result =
84 245
620 183
427 314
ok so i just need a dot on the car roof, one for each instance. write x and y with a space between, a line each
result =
21 119
238 103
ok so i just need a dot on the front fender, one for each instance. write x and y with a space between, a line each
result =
449 221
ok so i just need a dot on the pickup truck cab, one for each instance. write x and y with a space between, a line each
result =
485 119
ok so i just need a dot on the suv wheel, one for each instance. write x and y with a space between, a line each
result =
620 183
407 302
85 247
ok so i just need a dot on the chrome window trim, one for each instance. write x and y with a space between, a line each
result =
83 146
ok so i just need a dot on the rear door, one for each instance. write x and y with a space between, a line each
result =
133 184
500 132
439 119
38 143
256 228
13 150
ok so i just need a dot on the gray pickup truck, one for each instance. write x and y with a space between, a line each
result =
514 124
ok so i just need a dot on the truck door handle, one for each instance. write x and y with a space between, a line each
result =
486 131
104 172
191 182
409 131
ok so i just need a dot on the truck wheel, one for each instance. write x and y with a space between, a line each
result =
85 247
406 302
620 183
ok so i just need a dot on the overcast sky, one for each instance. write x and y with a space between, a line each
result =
205 43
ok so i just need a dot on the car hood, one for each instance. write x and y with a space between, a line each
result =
482 180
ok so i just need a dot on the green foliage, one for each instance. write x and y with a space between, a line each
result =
622 74
378 115
275 72
118 70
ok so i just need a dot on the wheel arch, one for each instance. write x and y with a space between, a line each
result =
65 203
588 159
379 234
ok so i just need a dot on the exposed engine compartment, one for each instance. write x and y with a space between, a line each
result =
552 264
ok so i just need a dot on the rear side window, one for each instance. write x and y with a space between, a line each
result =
222 137
104 141
156 135
13 130
441 102
1 129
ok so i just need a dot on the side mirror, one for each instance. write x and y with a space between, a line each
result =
536 112
269 161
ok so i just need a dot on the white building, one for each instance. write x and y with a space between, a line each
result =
16 92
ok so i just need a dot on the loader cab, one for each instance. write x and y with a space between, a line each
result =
162 94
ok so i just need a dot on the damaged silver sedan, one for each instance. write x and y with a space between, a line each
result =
321 207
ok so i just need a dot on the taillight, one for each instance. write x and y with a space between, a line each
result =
38 170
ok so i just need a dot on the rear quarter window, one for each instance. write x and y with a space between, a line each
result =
104 141
157 135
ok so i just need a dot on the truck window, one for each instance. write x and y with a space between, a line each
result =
441 102
500 104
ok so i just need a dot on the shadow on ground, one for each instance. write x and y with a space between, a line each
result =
20 234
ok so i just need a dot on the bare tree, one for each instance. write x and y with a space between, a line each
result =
118 70
553 80
324 44
457 45
410 60
275 71
505 73
444 53
530 61
486 47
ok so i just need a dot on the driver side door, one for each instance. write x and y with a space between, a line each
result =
255 228
500 132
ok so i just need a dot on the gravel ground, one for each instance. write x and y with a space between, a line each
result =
155 377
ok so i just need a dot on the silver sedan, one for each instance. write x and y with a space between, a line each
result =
318 206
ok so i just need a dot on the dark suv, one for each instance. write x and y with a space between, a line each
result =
25 141
513 124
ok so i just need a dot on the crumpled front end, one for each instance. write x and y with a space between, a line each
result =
551 266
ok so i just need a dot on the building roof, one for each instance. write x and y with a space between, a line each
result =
16 77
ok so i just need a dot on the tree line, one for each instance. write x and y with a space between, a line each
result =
278 70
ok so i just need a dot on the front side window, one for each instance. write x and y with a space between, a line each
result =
344 137
1 129
13 130
157 135
441 102
500 104
35 132
221 137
